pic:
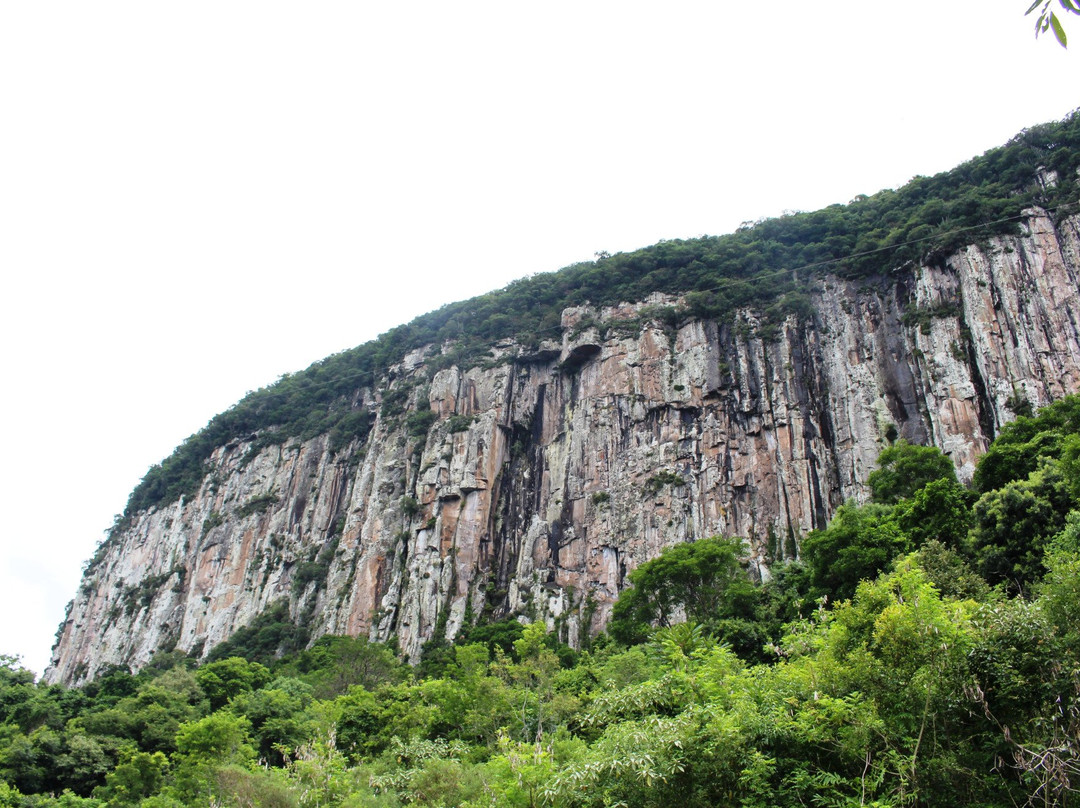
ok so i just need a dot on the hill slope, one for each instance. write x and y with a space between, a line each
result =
520 453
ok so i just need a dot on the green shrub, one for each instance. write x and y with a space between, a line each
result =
662 479
258 504
459 423
418 424
409 506
904 468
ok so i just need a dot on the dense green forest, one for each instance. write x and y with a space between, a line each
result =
924 651
767 265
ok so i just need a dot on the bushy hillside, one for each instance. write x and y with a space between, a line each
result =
765 265
925 651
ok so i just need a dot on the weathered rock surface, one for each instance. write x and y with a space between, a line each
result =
550 474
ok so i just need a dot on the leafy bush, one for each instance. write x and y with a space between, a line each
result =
703 580
1014 524
1017 450
258 504
459 423
265 638
858 543
661 479
215 519
409 506
904 468
418 424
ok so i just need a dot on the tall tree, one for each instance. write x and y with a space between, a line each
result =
704 580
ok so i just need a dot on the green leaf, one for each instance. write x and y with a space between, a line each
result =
1034 6
1059 32
1069 5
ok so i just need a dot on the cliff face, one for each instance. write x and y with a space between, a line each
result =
547 475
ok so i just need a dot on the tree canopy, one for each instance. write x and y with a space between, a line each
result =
904 468
897 664
698 581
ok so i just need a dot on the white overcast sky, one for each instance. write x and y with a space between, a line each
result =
198 197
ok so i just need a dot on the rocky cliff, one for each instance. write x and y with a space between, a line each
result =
542 477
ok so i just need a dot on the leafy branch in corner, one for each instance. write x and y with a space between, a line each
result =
1048 20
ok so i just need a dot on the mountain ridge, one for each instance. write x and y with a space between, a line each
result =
921 222
528 476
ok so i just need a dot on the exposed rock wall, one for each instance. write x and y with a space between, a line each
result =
550 474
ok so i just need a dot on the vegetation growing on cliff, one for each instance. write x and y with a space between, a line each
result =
766 266
899 677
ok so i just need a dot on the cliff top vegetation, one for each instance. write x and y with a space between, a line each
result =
767 265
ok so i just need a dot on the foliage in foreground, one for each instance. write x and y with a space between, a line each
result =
925 652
